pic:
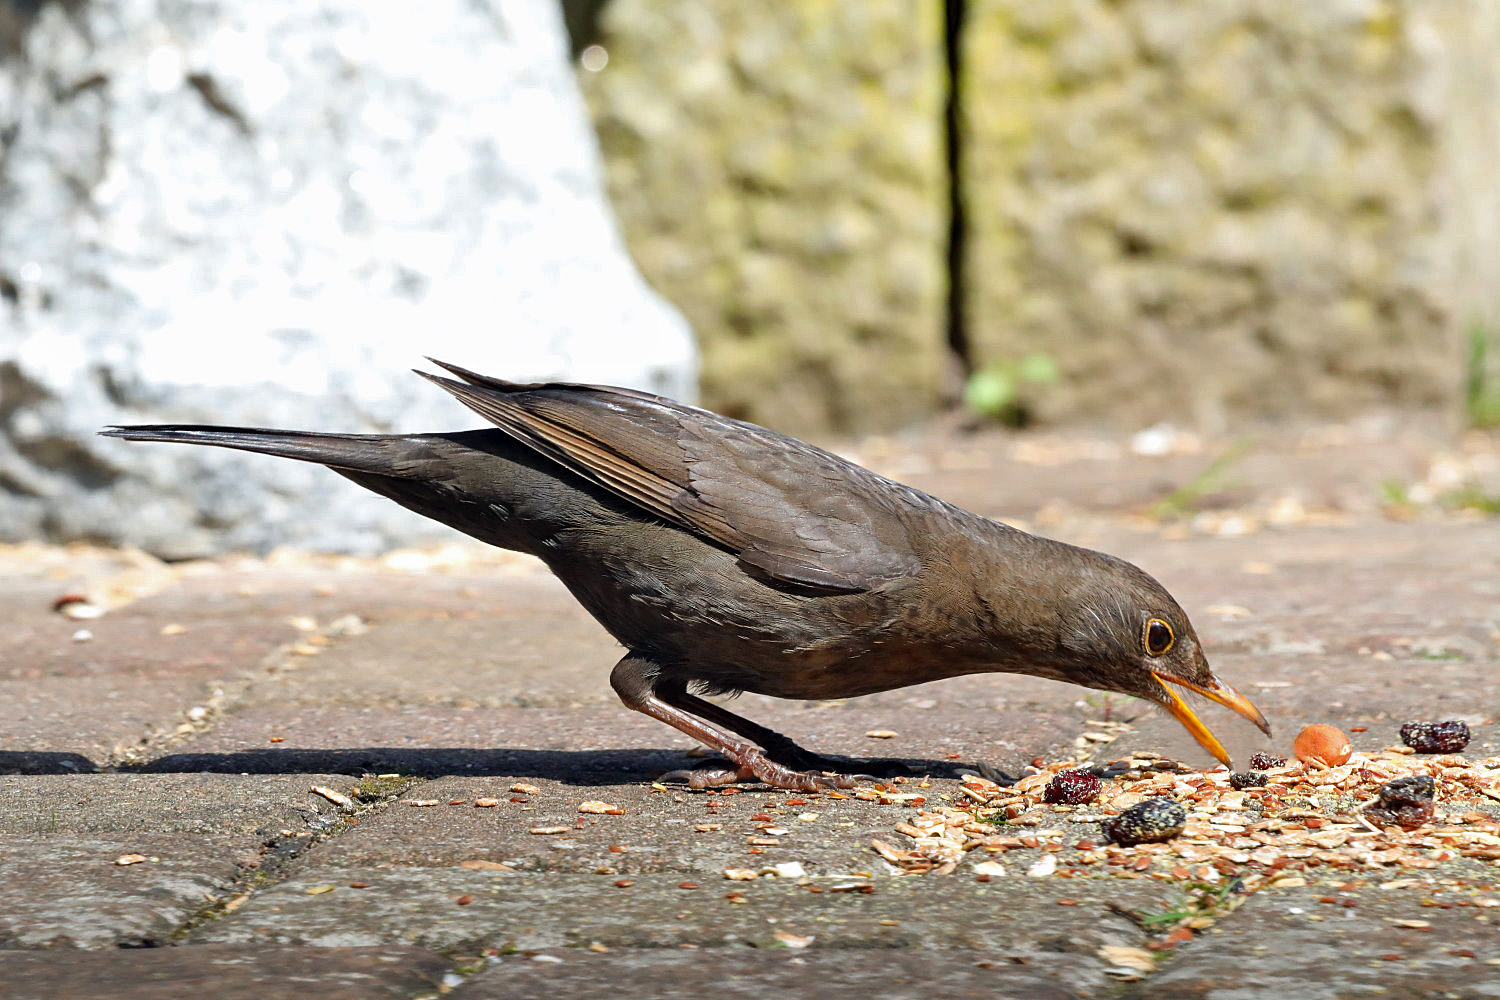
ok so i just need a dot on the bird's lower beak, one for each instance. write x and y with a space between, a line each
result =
1214 691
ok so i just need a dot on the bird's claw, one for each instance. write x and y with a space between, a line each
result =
754 766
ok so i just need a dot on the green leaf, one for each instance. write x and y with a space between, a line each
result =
989 391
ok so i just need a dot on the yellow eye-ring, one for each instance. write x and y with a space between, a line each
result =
1159 637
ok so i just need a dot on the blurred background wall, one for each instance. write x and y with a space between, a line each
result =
1127 210
1097 213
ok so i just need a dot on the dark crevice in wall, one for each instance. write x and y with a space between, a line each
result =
954 13
581 18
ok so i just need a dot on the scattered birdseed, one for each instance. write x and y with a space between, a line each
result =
131 859
332 795
1304 818
1044 867
76 606
882 734
546 831
600 808
522 788
486 803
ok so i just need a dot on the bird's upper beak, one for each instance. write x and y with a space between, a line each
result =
1214 691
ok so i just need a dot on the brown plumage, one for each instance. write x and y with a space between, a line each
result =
728 557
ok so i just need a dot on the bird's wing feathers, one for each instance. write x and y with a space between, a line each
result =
788 509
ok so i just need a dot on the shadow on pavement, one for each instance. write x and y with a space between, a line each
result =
44 762
573 767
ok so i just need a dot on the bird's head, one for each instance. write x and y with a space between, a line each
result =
1123 632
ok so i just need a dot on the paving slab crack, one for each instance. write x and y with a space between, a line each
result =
200 718
373 793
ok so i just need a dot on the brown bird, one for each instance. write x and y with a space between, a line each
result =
726 557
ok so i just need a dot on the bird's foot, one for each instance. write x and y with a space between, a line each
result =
754 766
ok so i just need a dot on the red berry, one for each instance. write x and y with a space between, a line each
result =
1072 788
1450 736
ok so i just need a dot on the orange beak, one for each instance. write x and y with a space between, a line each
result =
1215 691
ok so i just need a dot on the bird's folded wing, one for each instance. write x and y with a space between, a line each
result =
790 510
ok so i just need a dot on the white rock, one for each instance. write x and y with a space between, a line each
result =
266 213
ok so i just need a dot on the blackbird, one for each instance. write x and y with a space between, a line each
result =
726 557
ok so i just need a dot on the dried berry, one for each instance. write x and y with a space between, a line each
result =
1325 746
1072 788
1154 819
1241 780
1449 736
1404 802
1261 761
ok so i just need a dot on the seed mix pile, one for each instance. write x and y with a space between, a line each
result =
1346 818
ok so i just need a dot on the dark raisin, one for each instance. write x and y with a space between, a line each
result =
1072 788
1449 736
1154 819
1264 762
1247 779
1404 802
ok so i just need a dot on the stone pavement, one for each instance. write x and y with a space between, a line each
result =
456 705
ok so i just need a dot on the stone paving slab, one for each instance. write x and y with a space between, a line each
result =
1305 942
60 837
746 974
223 973
129 681
998 475
212 805
656 833
68 892
526 643
1011 920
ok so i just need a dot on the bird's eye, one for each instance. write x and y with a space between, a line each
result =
1159 637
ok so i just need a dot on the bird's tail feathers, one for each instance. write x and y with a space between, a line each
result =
354 452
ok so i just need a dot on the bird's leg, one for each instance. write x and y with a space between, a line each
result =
635 680
781 748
